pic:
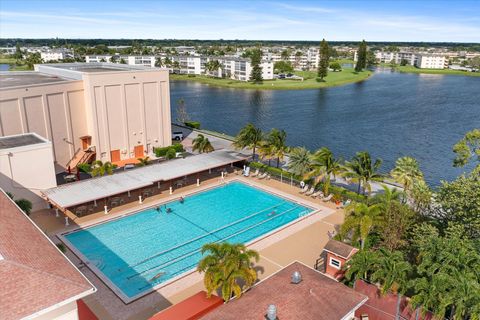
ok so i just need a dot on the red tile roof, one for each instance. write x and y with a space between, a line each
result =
316 297
191 308
340 249
34 275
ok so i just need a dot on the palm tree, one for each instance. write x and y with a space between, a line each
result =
324 166
265 150
392 273
100 168
224 265
300 161
361 265
158 62
143 161
362 170
248 137
387 197
167 62
202 144
406 172
277 140
361 219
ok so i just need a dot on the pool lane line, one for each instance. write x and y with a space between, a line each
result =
204 235
191 253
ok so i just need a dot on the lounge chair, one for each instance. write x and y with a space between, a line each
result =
305 189
317 194
246 173
346 203
268 177
256 173
262 176
310 192
330 196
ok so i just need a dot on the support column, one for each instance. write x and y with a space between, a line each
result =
105 209
56 213
209 171
140 199
171 190
128 193
66 222
198 182
94 203
158 184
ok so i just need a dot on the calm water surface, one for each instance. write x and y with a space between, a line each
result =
390 115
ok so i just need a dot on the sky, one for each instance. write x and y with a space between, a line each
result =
414 20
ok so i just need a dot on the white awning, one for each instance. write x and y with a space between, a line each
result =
80 192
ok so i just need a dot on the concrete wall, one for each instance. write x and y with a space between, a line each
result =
55 111
331 270
128 109
25 171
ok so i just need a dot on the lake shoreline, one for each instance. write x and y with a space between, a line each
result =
340 79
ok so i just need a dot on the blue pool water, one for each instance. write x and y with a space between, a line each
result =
142 250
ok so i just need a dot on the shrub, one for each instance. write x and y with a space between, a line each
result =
161 152
274 171
171 153
84 167
25 205
61 247
193 124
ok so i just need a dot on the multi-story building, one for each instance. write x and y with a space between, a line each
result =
300 59
54 55
431 61
117 112
397 57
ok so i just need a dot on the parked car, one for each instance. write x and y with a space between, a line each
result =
178 135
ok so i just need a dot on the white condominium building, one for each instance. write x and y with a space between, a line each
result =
300 59
431 61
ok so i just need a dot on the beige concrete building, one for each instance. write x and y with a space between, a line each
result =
110 111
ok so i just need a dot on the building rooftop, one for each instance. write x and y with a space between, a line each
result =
33 273
25 78
20 140
316 297
340 249
77 193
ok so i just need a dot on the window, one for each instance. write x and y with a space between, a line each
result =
335 263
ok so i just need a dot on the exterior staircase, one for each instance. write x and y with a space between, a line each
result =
81 156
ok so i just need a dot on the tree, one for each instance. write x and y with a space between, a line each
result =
225 266
361 265
335 66
467 148
202 144
403 62
300 161
285 55
362 170
18 55
277 140
370 59
33 59
158 62
143 161
324 165
360 220
406 172
392 273
324 59
283 67
421 197
214 66
100 168
122 61
182 114
459 201
361 57
167 62
248 137
113 59
256 59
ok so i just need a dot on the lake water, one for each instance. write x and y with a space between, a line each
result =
4 67
390 115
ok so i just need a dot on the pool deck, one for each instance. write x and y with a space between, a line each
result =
303 240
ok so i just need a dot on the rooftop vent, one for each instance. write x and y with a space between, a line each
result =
271 312
296 277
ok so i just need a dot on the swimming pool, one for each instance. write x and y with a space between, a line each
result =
140 251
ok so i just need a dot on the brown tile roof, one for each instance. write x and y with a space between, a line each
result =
34 275
316 297
339 248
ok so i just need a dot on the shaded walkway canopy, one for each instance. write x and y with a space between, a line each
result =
77 193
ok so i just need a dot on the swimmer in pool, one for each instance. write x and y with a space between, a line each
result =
182 200
169 210
159 209
272 213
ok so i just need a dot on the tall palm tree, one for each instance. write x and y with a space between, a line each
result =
158 62
392 273
266 151
300 161
248 137
361 219
278 143
324 166
100 168
406 172
387 197
362 170
226 264
202 144
361 265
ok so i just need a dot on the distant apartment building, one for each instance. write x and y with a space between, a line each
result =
431 61
54 55
231 67
115 112
397 57
306 59
420 60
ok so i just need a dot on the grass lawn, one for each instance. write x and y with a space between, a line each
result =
333 79
412 69
7 60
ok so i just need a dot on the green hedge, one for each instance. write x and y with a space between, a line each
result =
171 153
347 194
161 152
193 124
